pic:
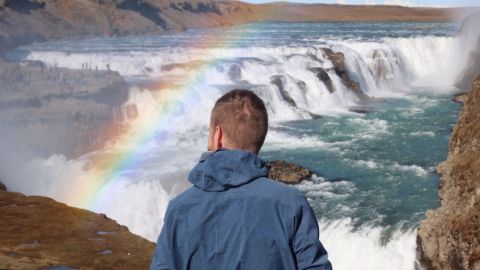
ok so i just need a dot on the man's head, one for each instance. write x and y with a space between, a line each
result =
239 120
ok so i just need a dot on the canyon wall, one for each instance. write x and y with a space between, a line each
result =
449 238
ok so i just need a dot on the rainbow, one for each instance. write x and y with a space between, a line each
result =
93 193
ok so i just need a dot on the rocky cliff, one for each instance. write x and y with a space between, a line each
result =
39 233
450 236
26 21
46 111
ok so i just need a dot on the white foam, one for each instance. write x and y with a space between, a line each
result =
423 134
370 128
318 187
280 140
367 163
363 249
411 168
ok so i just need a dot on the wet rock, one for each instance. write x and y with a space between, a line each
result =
380 66
323 76
449 238
287 172
361 109
302 86
278 82
315 116
338 61
235 73
51 234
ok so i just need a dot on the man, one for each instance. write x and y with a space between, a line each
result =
234 217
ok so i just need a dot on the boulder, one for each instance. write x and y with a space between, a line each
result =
3 187
40 233
287 172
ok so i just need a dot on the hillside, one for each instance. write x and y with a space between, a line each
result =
40 233
26 21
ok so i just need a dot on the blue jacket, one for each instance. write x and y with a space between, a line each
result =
236 218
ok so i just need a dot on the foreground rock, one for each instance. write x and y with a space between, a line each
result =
287 172
39 233
46 111
450 236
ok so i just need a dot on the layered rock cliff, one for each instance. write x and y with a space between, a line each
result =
450 236
26 21
46 111
39 233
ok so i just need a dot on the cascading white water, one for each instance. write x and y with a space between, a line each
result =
390 67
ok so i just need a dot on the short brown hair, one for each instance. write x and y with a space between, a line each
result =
243 118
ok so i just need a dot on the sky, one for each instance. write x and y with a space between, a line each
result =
426 3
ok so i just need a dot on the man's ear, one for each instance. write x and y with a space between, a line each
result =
218 138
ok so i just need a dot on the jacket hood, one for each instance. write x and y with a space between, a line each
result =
224 169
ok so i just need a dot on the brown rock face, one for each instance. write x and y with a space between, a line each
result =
286 172
460 98
450 236
39 233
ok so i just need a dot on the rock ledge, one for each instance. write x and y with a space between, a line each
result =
37 233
